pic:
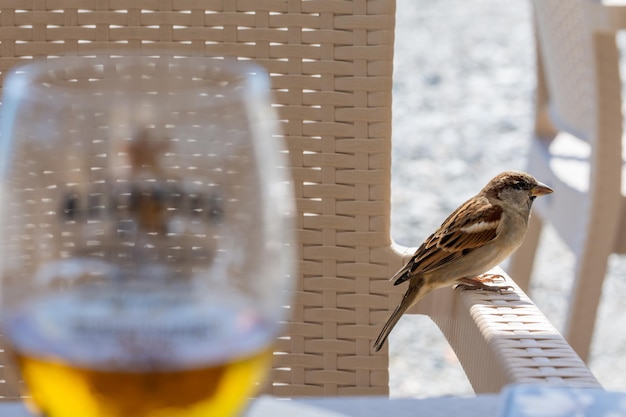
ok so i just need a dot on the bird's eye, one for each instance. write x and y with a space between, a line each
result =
520 185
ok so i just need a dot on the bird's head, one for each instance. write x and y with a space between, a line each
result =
516 187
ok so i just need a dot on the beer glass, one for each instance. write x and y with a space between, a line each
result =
145 234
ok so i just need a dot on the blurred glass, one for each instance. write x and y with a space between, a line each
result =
146 241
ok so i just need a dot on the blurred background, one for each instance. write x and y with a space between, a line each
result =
464 82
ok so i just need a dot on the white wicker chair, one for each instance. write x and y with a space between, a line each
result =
331 67
577 149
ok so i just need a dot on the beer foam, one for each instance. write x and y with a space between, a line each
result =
138 330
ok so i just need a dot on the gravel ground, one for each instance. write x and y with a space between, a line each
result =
464 81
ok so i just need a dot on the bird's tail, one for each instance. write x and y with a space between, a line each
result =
410 297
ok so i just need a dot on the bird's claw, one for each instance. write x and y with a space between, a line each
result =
489 278
478 283
499 290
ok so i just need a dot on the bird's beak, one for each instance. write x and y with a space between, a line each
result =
540 189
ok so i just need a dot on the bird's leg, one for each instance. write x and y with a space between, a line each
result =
478 283
491 278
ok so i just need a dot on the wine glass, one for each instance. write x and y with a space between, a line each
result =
145 229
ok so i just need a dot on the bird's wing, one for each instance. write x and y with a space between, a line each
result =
470 226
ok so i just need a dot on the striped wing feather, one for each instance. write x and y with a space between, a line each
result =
470 226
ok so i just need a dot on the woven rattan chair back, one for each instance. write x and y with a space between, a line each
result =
331 68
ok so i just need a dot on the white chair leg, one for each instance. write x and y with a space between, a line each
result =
521 263
585 298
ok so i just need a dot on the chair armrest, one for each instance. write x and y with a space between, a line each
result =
503 338
605 15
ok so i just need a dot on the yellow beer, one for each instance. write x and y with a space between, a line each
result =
81 360
60 389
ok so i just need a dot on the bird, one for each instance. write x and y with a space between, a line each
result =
477 236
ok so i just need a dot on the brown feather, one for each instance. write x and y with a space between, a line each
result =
456 236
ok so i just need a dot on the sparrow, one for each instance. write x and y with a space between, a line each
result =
477 236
